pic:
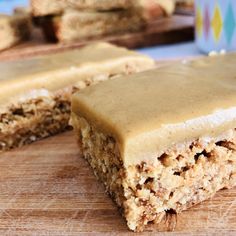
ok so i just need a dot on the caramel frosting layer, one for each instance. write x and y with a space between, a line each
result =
58 71
154 110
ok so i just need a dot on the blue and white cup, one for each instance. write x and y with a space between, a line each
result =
215 25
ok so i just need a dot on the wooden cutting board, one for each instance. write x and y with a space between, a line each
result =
178 28
47 188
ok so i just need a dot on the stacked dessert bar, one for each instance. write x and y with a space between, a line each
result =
74 20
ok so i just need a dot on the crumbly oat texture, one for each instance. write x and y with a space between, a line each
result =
165 139
38 103
183 176
14 29
34 119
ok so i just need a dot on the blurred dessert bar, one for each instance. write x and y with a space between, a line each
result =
55 7
78 25
184 6
22 10
14 29
161 140
35 93
75 21
155 9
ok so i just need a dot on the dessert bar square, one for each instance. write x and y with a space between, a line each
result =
36 92
161 140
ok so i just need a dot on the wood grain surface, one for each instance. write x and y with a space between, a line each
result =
47 188
177 28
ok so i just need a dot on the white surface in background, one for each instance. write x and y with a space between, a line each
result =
172 51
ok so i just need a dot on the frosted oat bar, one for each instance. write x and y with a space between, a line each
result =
35 93
161 140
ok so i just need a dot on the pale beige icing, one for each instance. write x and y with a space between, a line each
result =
53 72
153 110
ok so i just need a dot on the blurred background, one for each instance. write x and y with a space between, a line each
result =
162 29
7 6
